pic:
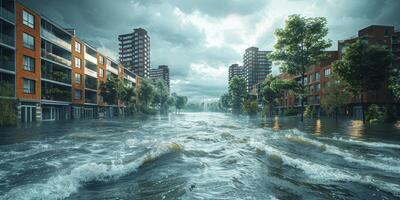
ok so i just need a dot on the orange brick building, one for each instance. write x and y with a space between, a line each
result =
48 70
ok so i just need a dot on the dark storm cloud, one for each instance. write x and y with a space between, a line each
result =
196 36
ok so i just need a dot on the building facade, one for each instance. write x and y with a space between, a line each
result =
235 70
134 52
256 67
48 70
318 77
162 73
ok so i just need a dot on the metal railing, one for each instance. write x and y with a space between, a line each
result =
53 38
55 58
7 65
8 40
6 14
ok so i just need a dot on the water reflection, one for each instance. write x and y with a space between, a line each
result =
356 129
318 127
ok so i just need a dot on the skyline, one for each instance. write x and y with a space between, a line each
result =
200 40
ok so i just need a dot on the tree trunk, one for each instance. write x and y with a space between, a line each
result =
302 98
362 107
270 111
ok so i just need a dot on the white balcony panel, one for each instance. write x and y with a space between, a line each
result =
90 72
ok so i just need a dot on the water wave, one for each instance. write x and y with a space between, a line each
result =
323 173
62 186
368 144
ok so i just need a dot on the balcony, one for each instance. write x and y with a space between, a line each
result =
91 58
7 33
55 72
7 59
7 85
7 10
90 97
55 58
56 35
90 83
55 92
54 39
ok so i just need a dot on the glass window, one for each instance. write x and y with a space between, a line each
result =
28 19
77 63
78 78
29 41
78 94
29 64
327 72
317 87
101 60
78 47
101 72
29 86
317 76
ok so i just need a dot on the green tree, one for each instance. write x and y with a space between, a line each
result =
8 112
146 95
161 97
237 90
225 102
250 107
363 68
180 102
273 88
300 45
108 91
334 98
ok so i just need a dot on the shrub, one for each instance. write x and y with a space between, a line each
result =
374 114
8 114
310 112
290 112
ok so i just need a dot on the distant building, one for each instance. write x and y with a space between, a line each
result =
162 73
235 70
256 67
134 52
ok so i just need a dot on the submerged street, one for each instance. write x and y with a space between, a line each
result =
200 156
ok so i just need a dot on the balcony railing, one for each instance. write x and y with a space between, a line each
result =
56 94
6 39
57 76
56 40
55 58
7 64
90 58
6 14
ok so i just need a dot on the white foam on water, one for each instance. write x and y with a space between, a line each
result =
326 173
63 185
387 164
368 144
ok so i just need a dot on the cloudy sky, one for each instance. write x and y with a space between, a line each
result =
199 39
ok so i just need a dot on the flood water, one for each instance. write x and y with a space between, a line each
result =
200 156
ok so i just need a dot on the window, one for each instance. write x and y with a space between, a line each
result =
29 86
317 76
28 19
77 63
317 87
29 64
29 42
102 60
78 47
327 72
78 94
78 78
101 72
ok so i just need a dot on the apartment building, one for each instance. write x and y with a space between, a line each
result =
319 76
134 52
161 73
52 74
256 68
235 70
